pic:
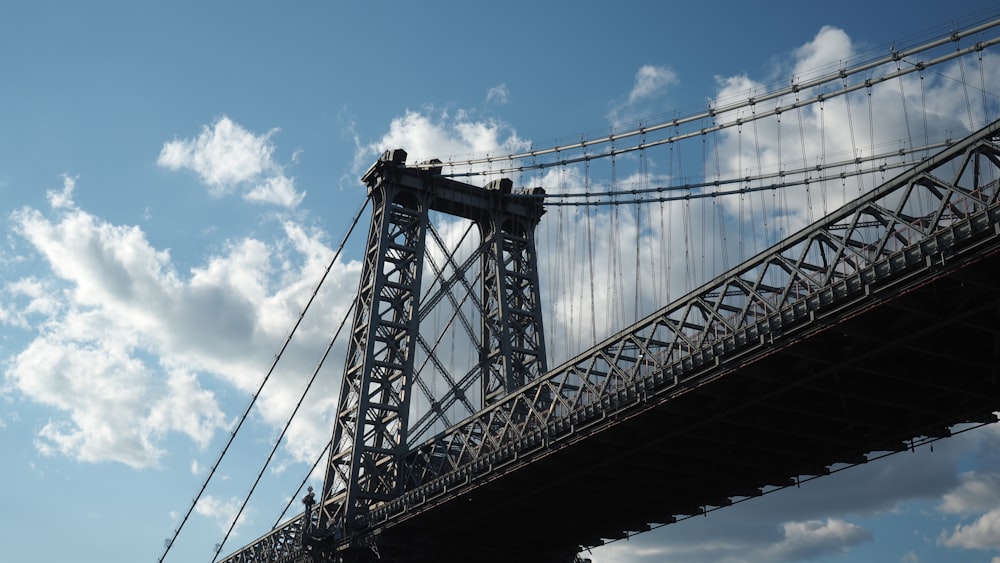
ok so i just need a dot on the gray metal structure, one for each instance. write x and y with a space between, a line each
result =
639 398
367 465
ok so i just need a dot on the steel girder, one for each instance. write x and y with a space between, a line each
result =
372 415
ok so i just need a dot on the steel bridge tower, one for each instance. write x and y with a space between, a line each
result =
366 466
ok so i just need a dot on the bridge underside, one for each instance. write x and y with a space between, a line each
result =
912 365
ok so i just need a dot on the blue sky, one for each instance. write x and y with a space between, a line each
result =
174 177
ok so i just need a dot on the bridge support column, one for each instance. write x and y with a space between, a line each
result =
367 464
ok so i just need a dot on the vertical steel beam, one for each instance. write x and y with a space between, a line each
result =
367 464
370 432
513 351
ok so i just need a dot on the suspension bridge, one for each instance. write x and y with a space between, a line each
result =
795 278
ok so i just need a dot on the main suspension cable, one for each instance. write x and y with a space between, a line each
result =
630 196
712 112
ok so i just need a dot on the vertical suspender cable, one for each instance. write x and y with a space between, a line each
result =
871 139
720 209
906 115
590 256
965 85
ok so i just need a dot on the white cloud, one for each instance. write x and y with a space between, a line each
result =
30 298
983 533
815 538
426 136
828 50
227 157
278 190
977 493
222 511
123 340
797 541
64 198
498 95
650 81
104 390
911 111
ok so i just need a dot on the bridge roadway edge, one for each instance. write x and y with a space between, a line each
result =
874 380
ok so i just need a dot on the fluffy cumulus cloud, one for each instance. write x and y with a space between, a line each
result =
977 497
123 342
812 539
982 533
429 134
978 492
227 157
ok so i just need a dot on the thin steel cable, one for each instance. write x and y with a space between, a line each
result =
689 195
982 88
871 138
551 198
854 144
590 261
693 119
822 152
305 480
906 114
712 111
965 85
256 395
288 423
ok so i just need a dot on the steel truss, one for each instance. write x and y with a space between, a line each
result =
366 467
915 226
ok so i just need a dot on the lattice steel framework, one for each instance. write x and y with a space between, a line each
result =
908 227
914 227
515 351
365 468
